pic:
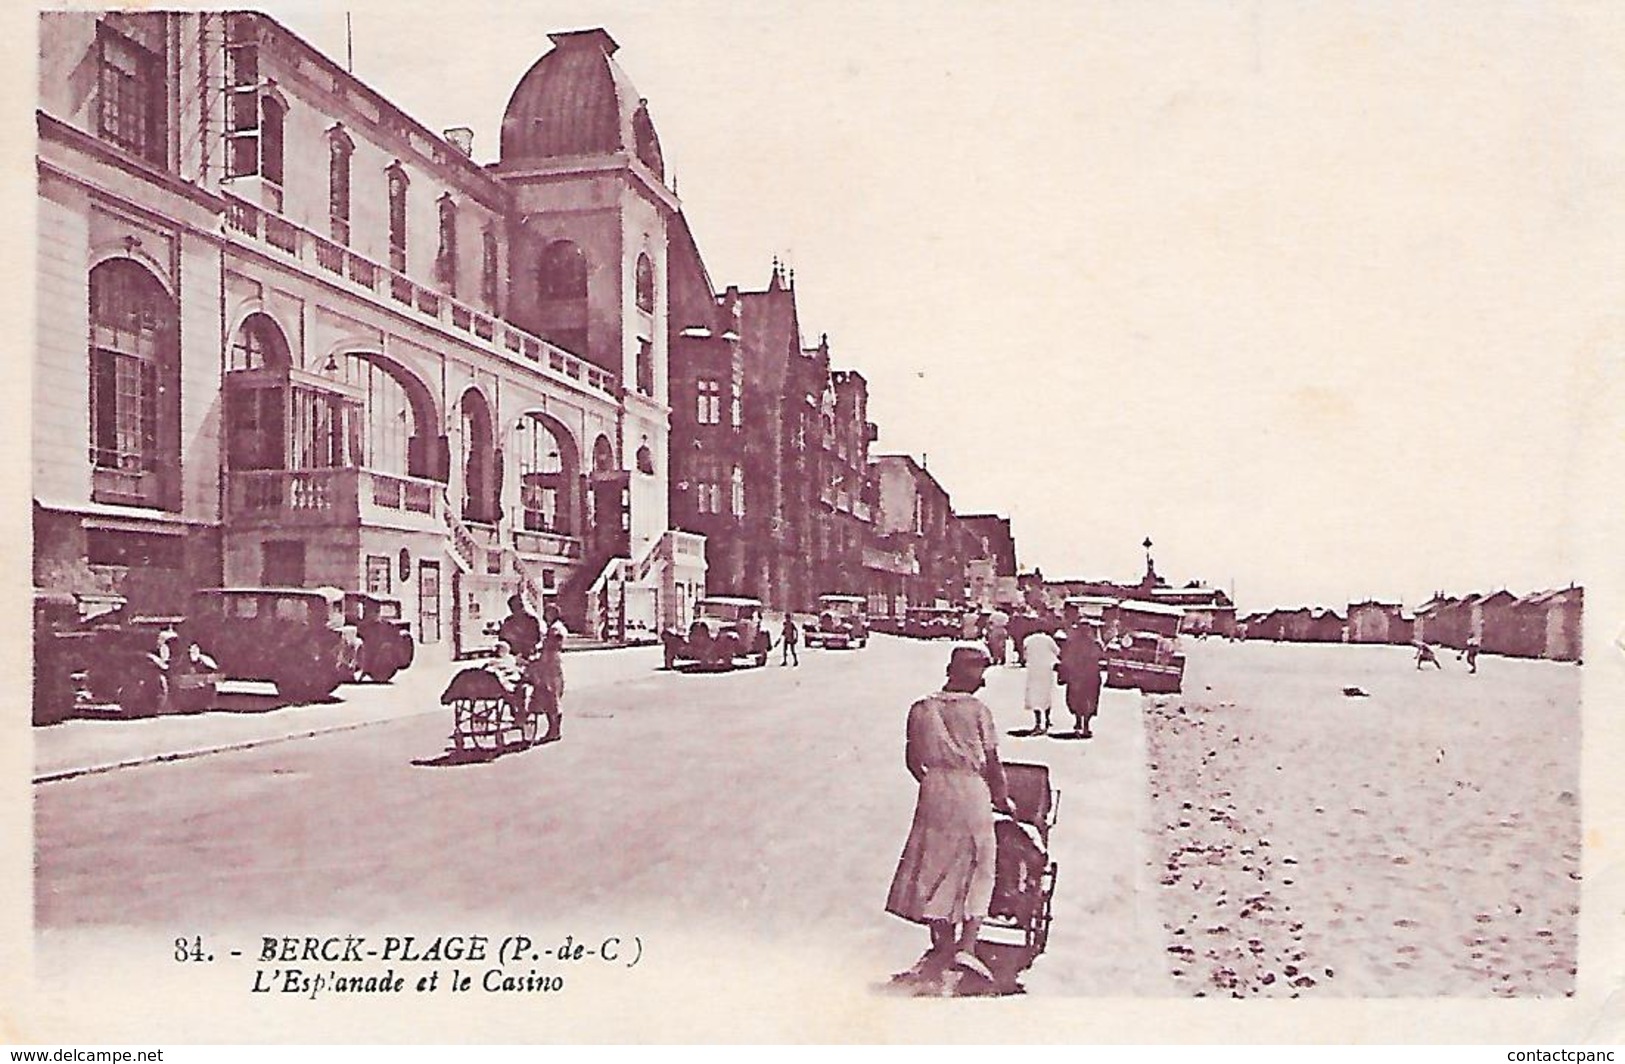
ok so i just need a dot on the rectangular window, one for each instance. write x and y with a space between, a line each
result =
710 401
445 260
338 190
132 102
397 220
133 549
488 270
124 411
646 367
378 574
254 428
325 430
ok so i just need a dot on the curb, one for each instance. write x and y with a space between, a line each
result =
187 755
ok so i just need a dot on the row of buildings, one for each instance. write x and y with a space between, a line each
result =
1543 624
287 335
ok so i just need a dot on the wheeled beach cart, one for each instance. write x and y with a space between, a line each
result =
487 714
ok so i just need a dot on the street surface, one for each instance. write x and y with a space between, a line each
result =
765 804
730 812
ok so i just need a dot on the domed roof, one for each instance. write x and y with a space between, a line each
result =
577 100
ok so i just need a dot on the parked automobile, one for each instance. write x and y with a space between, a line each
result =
843 621
724 630
933 622
293 637
385 636
1144 650
104 661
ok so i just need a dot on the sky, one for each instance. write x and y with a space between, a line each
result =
1318 297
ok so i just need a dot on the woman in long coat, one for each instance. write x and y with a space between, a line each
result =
944 877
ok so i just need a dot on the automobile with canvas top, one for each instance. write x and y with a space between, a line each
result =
843 621
1144 648
724 630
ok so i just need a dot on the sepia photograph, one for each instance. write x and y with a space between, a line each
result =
602 522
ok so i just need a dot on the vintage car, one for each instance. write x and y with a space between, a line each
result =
385 637
1144 648
107 662
293 637
724 630
843 621
934 622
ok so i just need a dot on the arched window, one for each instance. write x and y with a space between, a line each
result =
738 493
258 345
255 406
482 483
646 285
389 418
544 482
134 384
603 455
563 272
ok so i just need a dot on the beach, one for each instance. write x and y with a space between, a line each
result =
1327 820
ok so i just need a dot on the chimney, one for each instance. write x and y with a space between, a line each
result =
461 138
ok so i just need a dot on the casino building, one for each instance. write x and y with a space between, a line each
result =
289 336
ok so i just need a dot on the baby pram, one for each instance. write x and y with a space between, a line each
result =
487 715
1017 926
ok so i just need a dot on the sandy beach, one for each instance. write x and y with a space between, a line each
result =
1419 839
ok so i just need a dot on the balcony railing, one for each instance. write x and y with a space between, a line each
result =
546 544
329 497
496 336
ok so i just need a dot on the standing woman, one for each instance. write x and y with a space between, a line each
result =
548 672
1041 653
944 877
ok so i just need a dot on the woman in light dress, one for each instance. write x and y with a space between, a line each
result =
1041 652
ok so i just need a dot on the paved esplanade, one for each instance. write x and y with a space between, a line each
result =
761 803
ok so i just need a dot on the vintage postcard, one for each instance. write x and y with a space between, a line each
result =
834 522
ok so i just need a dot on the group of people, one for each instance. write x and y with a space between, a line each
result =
1425 655
529 661
1071 652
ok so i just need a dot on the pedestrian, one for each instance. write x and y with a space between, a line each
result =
520 629
1041 653
1022 625
1081 658
944 877
546 673
1425 655
789 635
998 635
154 693
1472 655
